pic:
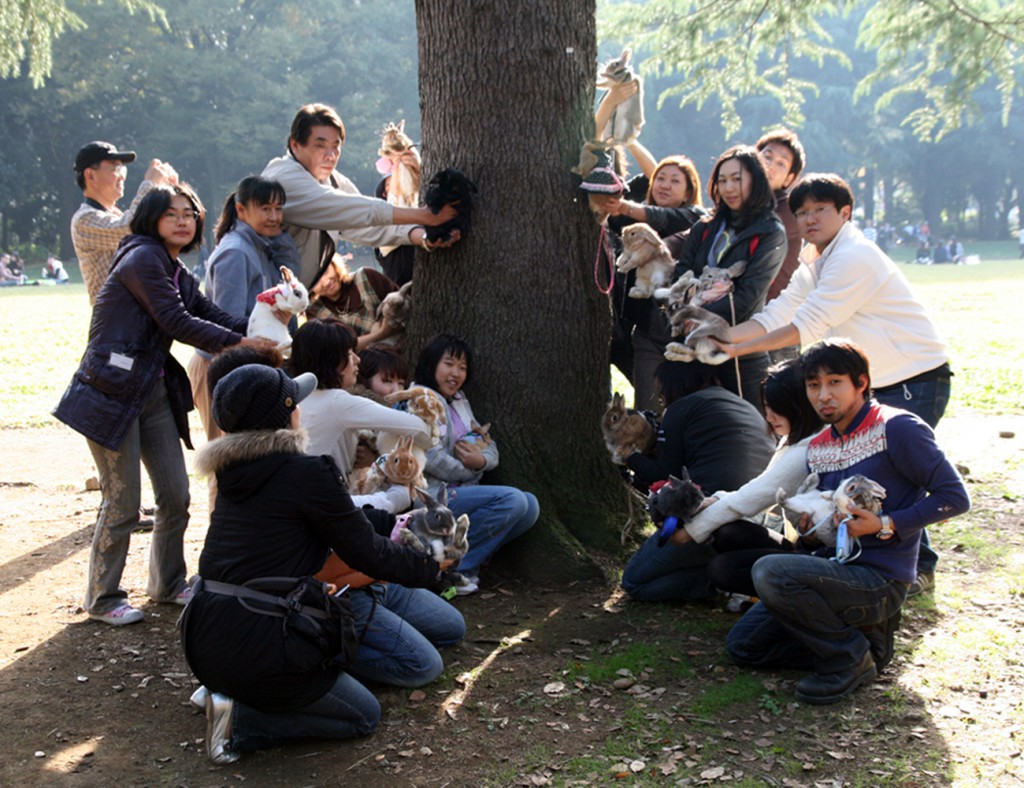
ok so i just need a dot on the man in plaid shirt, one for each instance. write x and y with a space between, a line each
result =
99 225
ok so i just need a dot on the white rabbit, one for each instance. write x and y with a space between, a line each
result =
290 296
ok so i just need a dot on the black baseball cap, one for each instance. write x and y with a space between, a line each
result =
97 151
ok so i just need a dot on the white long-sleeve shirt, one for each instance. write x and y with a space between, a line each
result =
854 290
333 419
787 469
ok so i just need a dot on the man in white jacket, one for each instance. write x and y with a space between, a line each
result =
850 288
323 205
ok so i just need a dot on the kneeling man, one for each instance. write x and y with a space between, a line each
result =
838 619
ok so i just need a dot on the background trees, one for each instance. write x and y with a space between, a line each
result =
211 86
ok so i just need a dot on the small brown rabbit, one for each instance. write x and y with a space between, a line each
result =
647 253
480 435
399 466
421 401
626 431
396 308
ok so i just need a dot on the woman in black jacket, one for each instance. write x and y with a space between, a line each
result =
743 227
667 197
279 512
131 398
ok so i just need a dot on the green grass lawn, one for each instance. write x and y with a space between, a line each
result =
978 310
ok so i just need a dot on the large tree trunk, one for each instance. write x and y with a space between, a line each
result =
506 89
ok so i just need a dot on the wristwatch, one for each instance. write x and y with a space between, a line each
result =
887 530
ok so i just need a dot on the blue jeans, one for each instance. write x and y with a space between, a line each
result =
928 402
497 515
346 711
673 573
809 614
401 629
154 440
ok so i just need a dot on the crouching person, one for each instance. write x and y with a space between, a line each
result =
268 678
838 619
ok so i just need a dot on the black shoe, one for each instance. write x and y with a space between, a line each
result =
145 524
925 582
882 638
819 689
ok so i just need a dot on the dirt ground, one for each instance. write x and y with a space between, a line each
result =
85 704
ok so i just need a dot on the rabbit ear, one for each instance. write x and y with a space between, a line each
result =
442 495
426 498
400 396
809 483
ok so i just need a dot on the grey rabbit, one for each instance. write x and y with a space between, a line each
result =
628 117
434 530
697 343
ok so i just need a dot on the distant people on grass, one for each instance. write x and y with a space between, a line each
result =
54 269
8 276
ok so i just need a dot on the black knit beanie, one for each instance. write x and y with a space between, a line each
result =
258 397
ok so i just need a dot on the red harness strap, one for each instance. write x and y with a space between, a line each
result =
604 247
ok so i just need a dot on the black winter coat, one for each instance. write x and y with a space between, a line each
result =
148 301
763 245
721 440
751 288
277 514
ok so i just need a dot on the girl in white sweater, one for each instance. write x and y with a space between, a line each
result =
333 416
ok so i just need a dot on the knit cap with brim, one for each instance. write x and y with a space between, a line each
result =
603 179
258 397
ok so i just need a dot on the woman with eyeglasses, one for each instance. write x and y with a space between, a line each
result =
130 398
744 227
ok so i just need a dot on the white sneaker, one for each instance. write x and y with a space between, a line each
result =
198 698
183 597
218 726
120 616
739 603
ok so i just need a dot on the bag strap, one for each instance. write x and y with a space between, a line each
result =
245 594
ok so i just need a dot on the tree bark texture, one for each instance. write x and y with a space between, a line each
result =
506 91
